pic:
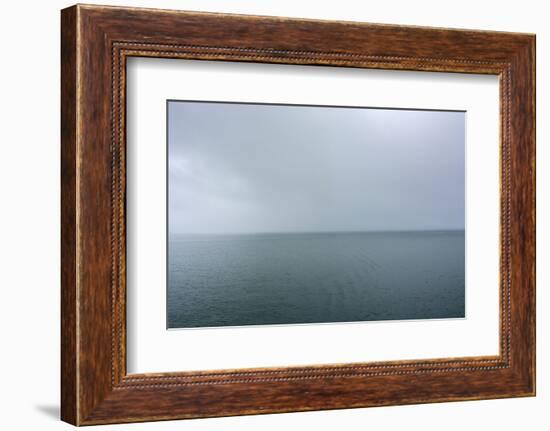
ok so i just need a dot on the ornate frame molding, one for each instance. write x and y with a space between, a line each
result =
96 41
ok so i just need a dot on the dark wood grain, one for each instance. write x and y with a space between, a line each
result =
96 41
69 398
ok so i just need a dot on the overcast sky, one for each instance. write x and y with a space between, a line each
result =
242 168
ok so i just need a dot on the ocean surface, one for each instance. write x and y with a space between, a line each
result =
263 279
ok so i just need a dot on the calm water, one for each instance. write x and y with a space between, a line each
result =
233 280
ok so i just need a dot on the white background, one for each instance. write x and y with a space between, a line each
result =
29 228
151 348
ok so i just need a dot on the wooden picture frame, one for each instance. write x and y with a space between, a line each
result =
95 43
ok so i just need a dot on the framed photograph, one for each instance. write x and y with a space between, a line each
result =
265 214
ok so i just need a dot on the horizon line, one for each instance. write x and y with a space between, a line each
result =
320 231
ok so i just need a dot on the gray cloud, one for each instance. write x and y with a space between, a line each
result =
236 168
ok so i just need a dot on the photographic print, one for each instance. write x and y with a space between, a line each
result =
300 214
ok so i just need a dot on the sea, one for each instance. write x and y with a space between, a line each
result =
301 278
